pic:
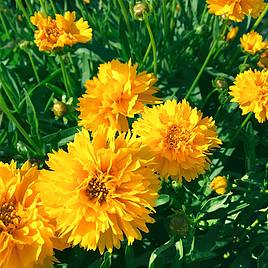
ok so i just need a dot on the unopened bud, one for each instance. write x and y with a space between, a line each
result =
221 83
140 10
179 224
59 109
219 184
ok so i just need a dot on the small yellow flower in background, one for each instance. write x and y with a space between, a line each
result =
87 1
250 91
232 33
108 189
26 233
56 33
263 62
236 10
179 137
116 94
252 42
219 184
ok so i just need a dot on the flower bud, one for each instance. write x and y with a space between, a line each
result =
220 83
140 10
59 109
179 224
232 33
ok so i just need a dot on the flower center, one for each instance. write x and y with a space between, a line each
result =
97 189
175 136
9 217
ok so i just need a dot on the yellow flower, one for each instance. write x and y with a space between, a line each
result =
219 184
263 62
75 31
252 42
250 91
179 138
232 33
236 9
25 232
107 190
116 94
56 33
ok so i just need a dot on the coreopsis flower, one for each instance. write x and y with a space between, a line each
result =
60 32
250 91
232 33
219 184
26 233
108 189
252 42
236 10
179 137
116 94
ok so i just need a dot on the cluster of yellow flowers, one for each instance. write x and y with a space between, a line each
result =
104 187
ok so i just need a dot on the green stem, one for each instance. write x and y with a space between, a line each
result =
152 42
4 25
124 12
29 6
147 52
43 7
164 6
245 60
66 78
229 145
33 66
24 12
208 97
258 21
201 70
53 6
12 118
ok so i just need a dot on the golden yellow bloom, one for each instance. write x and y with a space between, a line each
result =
232 33
107 190
179 138
116 94
250 91
236 10
56 33
25 232
252 42
219 184
263 62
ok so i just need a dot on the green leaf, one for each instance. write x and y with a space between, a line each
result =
215 203
162 199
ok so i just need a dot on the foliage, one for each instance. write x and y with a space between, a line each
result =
229 230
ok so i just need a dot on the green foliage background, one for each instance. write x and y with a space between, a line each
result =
212 231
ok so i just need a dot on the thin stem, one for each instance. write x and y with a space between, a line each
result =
66 78
201 70
164 6
258 21
24 12
53 6
231 142
152 42
147 52
208 97
43 7
124 12
4 25
12 118
29 6
33 66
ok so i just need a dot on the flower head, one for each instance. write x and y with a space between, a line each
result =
179 137
116 94
252 42
25 231
219 184
107 191
236 9
56 33
232 33
250 91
